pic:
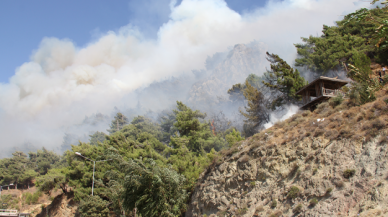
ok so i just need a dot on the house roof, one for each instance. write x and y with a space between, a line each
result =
312 84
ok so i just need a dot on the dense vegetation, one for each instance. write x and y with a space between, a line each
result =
151 166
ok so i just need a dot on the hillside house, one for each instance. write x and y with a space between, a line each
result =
319 90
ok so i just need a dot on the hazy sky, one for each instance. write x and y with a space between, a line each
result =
24 23
64 61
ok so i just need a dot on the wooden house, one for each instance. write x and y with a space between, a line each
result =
319 90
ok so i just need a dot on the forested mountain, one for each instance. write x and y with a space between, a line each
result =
170 162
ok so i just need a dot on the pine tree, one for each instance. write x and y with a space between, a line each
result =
97 137
155 191
256 113
118 123
283 79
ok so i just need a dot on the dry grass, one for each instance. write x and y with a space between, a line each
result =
277 213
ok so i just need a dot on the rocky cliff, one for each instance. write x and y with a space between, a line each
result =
331 162
241 61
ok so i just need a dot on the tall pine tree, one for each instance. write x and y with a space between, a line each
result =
284 80
256 113
118 123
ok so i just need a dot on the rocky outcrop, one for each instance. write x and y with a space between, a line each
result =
235 68
311 177
63 205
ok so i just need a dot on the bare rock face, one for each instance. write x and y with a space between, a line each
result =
235 68
62 206
312 177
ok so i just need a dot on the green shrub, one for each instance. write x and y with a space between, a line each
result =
277 213
93 206
313 202
293 192
253 184
274 204
328 191
35 197
337 100
242 211
298 208
349 173
315 170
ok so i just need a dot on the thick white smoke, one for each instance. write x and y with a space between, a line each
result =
63 83
276 117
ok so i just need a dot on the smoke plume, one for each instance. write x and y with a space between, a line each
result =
62 83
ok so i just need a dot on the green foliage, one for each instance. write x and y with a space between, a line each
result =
167 119
377 21
364 89
31 198
337 100
43 160
97 137
12 169
328 191
236 93
94 206
193 134
242 211
363 31
256 113
233 137
349 173
153 190
293 192
284 79
298 208
118 123
330 51
253 184
6 199
274 203
55 178
313 201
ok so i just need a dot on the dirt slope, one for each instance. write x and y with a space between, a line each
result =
332 162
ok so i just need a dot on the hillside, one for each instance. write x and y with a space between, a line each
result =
330 162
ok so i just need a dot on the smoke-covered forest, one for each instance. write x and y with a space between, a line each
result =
148 161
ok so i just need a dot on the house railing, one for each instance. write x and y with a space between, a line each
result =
331 92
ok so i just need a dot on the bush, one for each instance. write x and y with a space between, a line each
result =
274 204
349 173
313 202
333 102
298 208
277 213
293 192
322 107
315 170
328 191
242 211
94 206
253 184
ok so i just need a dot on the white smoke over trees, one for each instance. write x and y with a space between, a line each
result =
63 83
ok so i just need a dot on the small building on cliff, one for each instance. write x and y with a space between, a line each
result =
319 90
